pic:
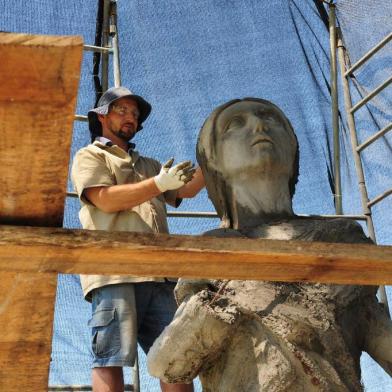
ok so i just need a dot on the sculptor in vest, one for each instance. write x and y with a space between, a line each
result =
267 336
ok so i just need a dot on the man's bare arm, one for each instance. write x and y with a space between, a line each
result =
122 197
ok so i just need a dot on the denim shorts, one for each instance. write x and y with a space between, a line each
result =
127 313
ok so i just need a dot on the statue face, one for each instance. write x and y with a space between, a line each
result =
254 138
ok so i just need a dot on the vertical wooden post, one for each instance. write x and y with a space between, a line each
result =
26 322
39 77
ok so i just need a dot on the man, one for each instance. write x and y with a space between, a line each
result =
123 191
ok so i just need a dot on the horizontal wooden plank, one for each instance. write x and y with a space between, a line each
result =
39 78
31 249
26 318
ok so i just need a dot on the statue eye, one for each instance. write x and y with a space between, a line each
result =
235 122
269 117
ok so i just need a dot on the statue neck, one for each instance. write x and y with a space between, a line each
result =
257 201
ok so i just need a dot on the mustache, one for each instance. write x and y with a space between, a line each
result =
128 124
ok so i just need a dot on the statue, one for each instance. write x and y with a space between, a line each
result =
256 336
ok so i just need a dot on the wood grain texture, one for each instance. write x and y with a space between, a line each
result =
39 78
26 318
97 252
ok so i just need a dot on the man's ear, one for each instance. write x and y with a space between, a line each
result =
100 118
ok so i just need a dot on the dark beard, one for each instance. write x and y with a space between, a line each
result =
123 136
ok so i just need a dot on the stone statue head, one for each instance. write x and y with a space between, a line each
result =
245 139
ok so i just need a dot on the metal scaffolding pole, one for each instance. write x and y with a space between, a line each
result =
105 44
373 138
371 95
115 46
368 55
335 110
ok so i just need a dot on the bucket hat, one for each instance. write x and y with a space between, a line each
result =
110 96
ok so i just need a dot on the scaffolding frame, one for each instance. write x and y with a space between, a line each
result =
338 50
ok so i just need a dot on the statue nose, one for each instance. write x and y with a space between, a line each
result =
258 125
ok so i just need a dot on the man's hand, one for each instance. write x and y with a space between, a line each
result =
174 177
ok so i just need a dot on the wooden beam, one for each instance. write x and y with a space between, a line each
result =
26 318
39 78
28 249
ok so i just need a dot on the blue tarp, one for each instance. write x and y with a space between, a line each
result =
186 58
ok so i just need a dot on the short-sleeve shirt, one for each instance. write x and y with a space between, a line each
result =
105 164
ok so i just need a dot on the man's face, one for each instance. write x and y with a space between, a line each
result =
254 138
122 119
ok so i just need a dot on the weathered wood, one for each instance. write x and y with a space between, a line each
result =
97 252
26 318
39 78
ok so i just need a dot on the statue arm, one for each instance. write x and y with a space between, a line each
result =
194 339
378 339
205 320
185 288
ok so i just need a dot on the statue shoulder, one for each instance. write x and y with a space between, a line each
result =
342 230
223 233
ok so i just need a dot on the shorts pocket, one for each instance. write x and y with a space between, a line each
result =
105 333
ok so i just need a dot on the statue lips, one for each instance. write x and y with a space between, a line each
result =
261 140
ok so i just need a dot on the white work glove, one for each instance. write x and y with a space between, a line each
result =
174 177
